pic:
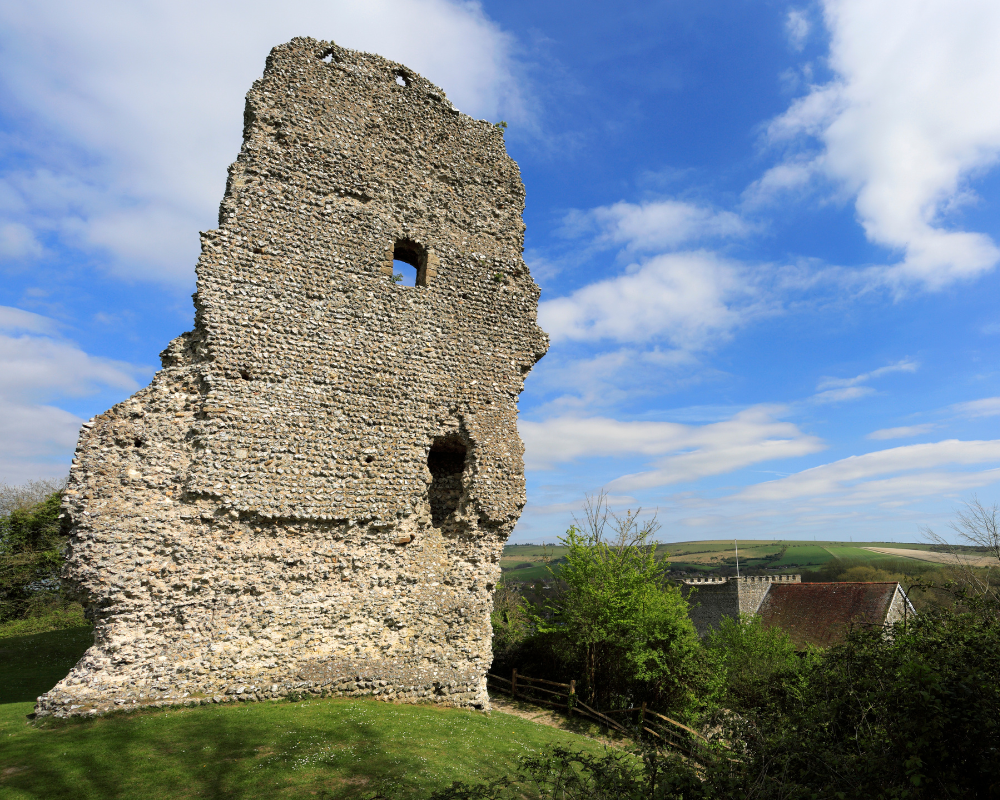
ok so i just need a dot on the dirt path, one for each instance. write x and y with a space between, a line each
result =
554 719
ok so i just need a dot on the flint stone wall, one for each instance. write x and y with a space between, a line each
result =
312 495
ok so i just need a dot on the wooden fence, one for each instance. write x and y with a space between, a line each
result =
639 719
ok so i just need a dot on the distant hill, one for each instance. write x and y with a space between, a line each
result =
527 563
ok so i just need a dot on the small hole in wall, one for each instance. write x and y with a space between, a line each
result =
328 58
402 81
138 442
369 459
403 273
409 264
245 375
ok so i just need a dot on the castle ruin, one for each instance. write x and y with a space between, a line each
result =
313 494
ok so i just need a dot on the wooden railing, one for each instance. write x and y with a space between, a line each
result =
563 696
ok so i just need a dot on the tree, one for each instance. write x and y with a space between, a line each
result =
511 620
979 527
616 616
754 665
31 545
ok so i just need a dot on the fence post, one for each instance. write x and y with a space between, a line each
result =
571 697
642 715
513 683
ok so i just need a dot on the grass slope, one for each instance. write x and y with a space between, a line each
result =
326 748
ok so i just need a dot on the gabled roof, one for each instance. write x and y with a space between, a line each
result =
822 613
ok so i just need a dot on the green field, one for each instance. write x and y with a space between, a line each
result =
706 556
324 748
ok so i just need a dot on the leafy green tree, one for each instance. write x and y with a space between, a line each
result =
755 666
31 546
511 619
616 616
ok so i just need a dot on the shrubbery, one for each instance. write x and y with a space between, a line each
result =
612 620
31 551
912 712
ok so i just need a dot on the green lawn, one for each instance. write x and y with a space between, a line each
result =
327 748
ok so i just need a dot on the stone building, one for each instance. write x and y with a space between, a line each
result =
313 494
811 613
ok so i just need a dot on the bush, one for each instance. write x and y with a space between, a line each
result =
913 714
511 619
618 774
755 666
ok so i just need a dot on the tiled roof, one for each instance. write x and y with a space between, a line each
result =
822 613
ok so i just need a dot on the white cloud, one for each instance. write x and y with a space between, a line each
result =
987 407
684 299
836 390
659 225
837 383
18 242
797 28
37 441
850 475
842 395
38 367
132 112
686 452
908 120
14 320
901 489
903 432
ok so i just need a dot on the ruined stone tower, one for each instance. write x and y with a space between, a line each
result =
313 493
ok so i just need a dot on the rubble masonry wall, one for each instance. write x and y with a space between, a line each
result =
313 494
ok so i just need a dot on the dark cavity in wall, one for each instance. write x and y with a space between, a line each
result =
446 461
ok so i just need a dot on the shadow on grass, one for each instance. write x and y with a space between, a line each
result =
31 665
258 750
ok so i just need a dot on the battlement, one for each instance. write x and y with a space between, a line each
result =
748 579
772 579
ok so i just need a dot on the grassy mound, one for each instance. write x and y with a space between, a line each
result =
325 748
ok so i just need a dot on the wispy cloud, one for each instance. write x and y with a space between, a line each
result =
903 432
681 453
797 28
842 395
853 475
654 226
836 390
987 407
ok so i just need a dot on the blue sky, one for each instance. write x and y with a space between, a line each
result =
766 235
